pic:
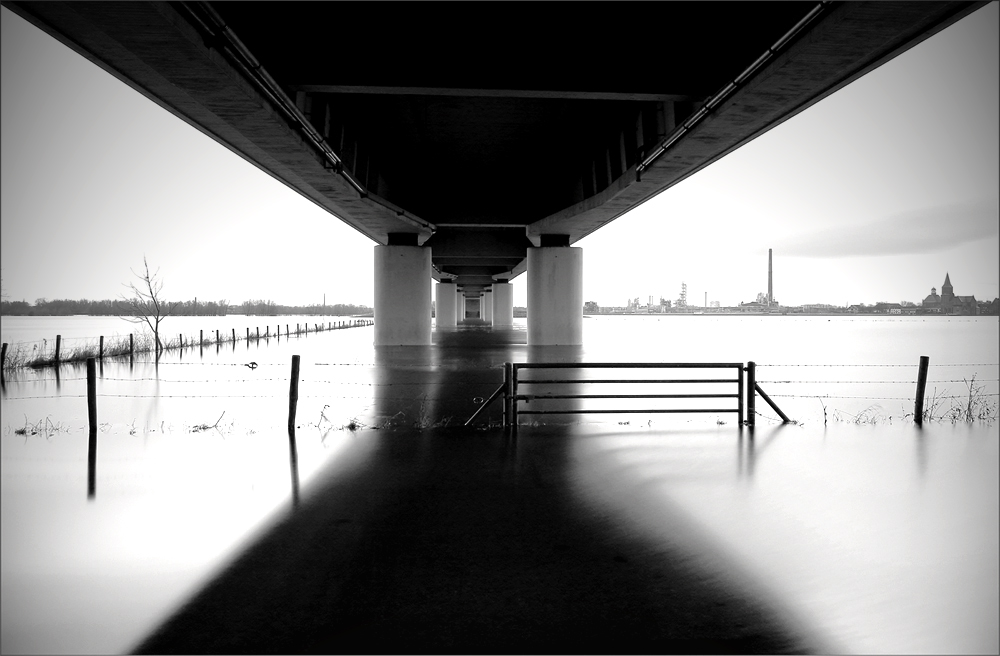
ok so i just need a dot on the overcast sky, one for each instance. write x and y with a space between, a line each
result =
870 195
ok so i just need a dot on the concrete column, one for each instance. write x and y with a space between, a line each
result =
402 295
555 296
446 305
461 308
487 306
503 304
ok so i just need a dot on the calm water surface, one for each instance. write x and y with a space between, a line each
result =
879 537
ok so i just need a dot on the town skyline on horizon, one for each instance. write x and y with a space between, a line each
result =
693 300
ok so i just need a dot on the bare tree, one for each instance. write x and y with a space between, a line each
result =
146 304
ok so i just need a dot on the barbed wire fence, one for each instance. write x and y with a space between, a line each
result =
360 402
54 352
976 402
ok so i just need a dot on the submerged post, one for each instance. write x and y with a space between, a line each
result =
92 420
201 338
100 348
918 406
58 344
3 361
216 336
131 347
293 394
234 335
751 394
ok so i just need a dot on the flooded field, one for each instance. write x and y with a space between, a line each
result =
874 536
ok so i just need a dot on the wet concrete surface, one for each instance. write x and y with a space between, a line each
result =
449 539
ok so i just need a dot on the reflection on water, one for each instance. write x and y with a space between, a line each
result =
175 500
881 540
92 464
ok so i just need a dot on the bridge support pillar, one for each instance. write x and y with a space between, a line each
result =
402 295
487 305
503 304
555 296
446 306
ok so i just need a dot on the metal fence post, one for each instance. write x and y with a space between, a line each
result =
740 392
751 394
507 366
513 397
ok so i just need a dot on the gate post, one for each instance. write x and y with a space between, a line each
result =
740 391
507 393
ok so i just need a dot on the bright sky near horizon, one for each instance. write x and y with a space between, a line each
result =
873 194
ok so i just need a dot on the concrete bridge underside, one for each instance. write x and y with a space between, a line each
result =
474 142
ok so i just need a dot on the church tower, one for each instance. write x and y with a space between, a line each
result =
947 294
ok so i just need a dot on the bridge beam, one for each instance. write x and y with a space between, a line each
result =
402 295
555 294
446 307
503 304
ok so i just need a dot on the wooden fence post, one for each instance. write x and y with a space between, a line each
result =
3 362
751 394
234 336
58 345
216 336
293 394
131 347
92 419
100 349
918 406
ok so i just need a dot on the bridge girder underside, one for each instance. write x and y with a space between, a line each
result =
479 130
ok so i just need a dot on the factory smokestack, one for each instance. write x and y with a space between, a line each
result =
770 287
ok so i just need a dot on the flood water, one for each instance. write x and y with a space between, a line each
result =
875 536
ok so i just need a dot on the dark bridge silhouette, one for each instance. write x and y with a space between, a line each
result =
477 142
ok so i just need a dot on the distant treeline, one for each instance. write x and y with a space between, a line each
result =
65 307
270 309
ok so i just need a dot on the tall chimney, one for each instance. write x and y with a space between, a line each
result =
770 288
